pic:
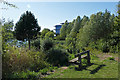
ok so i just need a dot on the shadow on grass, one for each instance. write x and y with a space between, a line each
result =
97 69
84 67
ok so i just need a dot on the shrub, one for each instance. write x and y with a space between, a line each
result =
27 74
21 59
49 34
84 61
57 56
111 58
46 45
58 37
14 60
51 69
103 45
44 71
36 43
71 66
38 60
55 67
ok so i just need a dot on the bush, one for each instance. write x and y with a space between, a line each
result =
57 56
103 45
38 61
44 71
49 34
51 69
21 59
36 43
71 66
46 45
58 37
111 58
14 60
27 74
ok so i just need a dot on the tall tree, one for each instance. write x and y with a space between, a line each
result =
63 30
7 33
76 27
116 28
84 20
69 27
117 21
27 27
71 38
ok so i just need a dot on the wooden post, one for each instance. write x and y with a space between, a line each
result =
88 57
79 59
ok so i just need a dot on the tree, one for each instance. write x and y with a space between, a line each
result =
76 27
84 20
49 34
69 27
71 38
44 31
117 21
116 31
9 4
27 27
7 33
63 30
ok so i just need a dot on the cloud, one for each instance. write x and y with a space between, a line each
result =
28 6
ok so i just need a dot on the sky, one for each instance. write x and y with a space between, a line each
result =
50 14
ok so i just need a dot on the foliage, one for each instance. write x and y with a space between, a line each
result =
49 34
46 45
56 56
116 30
71 38
7 33
111 58
76 27
70 43
44 71
96 32
63 30
25 74
21 59
36 43
58 37
27 27
9 4
100 69
44 31
84 20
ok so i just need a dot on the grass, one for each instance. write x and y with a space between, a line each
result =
99 69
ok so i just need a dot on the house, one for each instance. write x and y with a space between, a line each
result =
57 28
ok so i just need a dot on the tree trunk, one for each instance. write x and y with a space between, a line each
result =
29 43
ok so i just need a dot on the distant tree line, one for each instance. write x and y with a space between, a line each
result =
100 31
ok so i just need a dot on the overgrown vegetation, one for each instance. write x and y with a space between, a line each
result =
46 52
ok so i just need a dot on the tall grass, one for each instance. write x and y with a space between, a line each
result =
22 59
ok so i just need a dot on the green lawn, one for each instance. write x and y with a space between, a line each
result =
99 69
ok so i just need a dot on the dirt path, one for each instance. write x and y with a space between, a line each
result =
105 56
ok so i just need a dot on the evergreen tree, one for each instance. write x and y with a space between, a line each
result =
71 38
76 26
84 20
27 27
63 30
69 27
